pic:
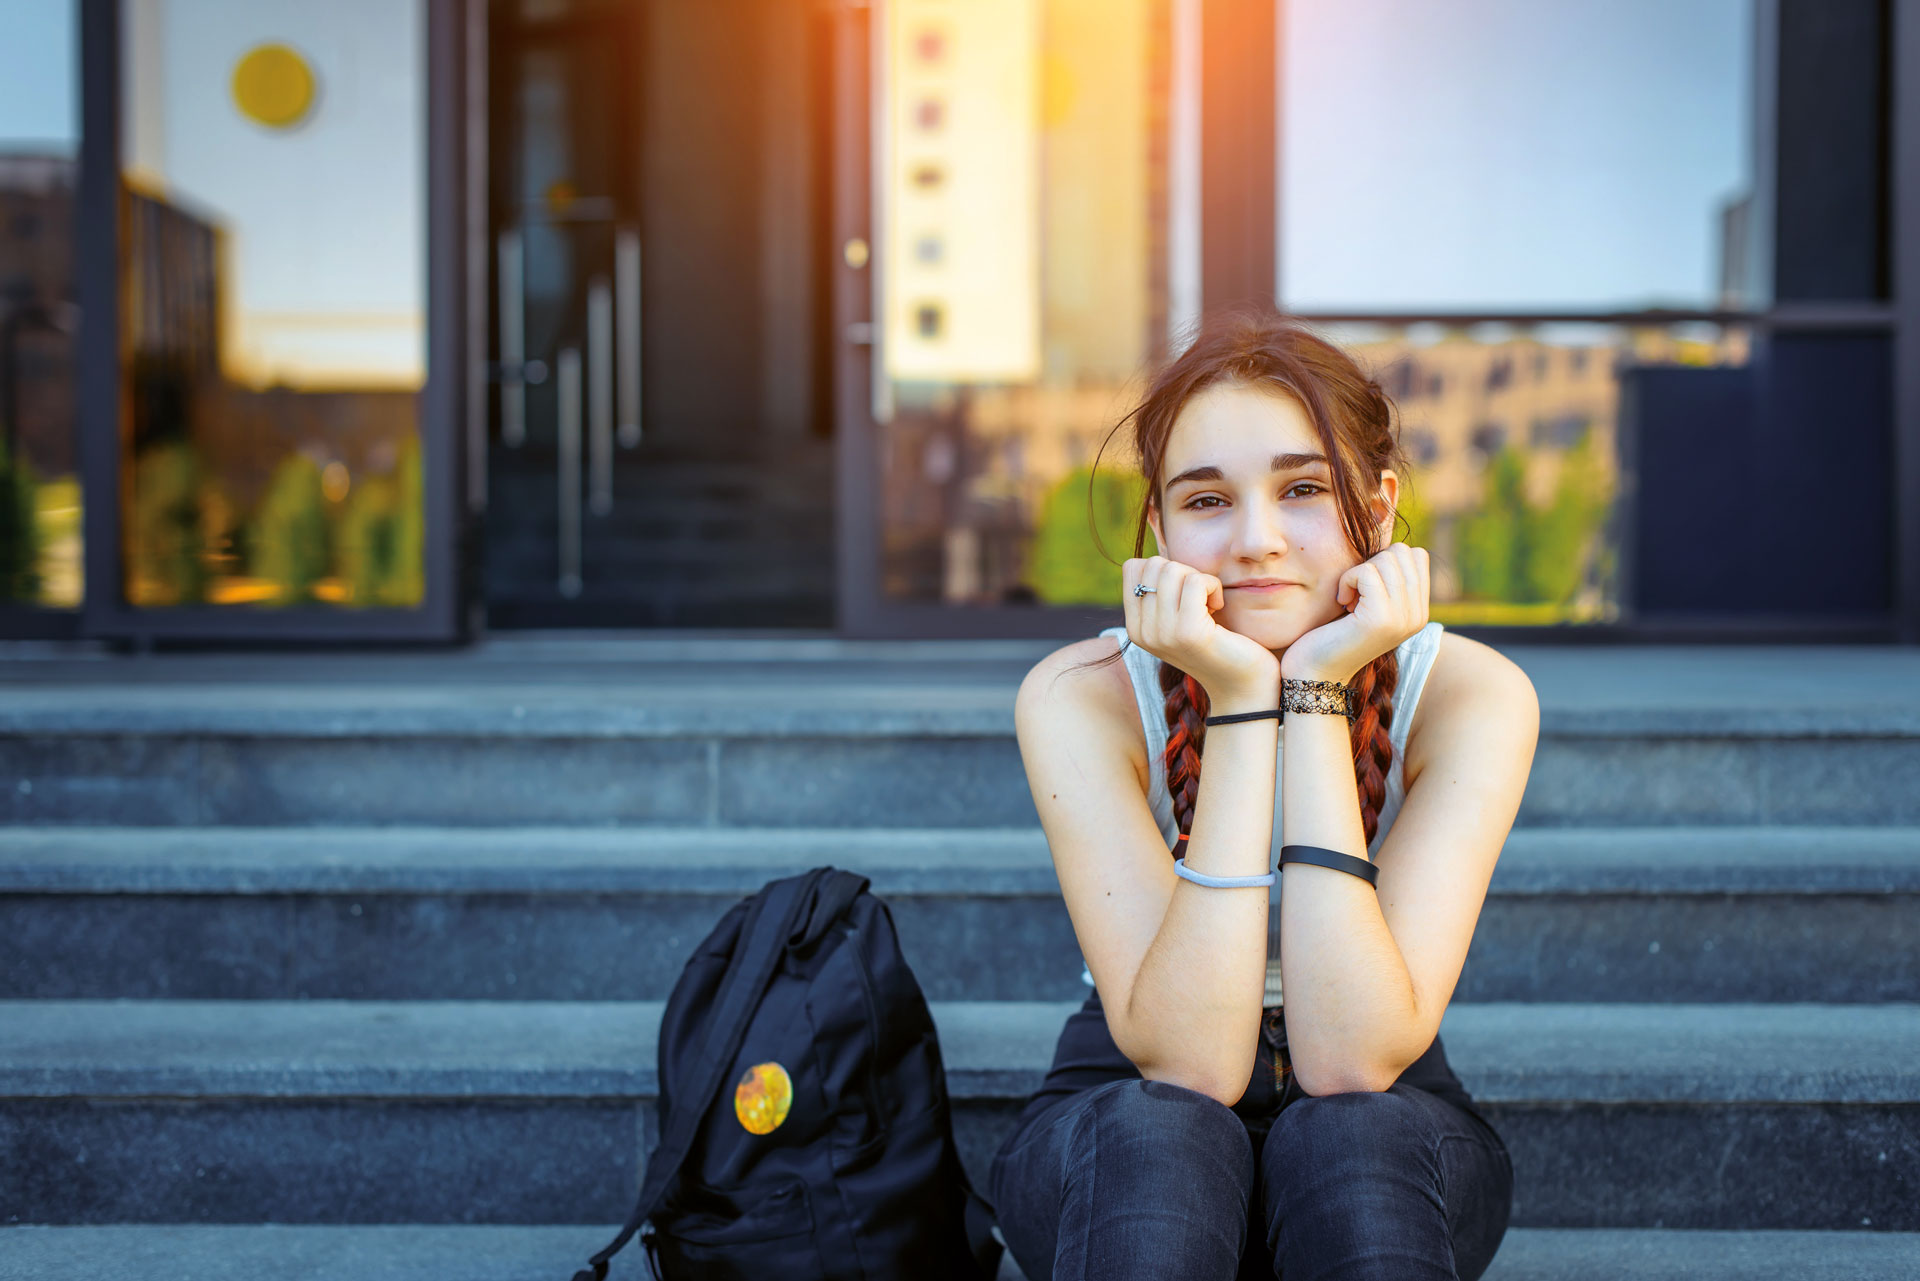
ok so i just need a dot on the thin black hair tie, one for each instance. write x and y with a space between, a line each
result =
1273 713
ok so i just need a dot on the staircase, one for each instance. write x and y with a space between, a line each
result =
709 538
349 965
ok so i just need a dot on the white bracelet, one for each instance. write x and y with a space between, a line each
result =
1181 870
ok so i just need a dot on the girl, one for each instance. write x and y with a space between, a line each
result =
1192 1125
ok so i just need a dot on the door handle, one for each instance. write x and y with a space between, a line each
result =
569 471
513 366
626 320
600 396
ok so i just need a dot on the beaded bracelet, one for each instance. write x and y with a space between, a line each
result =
1296 695
1318 696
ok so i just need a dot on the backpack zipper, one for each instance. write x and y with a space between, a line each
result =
851 933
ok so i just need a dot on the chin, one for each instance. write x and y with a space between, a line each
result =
1274 630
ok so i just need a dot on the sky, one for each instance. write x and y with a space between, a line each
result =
39 110
1479 154
1469 154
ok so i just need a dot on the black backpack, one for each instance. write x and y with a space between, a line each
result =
804 1122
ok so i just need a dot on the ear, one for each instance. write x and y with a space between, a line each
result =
1388 502
1159 539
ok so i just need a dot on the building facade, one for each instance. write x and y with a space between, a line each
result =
416 320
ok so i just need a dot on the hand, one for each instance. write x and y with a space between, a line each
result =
1174 623
1386 598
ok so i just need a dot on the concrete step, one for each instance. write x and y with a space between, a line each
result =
566 913
1678 1116
488 1252
835 751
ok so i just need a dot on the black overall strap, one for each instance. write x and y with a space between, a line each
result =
740 991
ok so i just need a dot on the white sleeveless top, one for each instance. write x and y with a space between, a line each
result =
1416 655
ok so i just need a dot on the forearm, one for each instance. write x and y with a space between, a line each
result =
1350 1002
1193 1011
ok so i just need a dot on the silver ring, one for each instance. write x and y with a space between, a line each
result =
1141 589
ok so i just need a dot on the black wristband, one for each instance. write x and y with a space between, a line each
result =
1274 713
1360 867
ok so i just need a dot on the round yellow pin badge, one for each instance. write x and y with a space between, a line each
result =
763 1098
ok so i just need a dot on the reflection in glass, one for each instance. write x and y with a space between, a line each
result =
273 303
1027 292
1516 490
40 517
1504 155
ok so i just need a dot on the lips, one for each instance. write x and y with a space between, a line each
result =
1260 585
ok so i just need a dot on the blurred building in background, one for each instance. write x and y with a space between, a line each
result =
390 320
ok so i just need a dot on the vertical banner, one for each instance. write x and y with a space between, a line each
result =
959 191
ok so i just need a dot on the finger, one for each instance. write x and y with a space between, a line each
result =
1393 580
1193 603
1426 580
1367 584
1216 593
1413 575
1152 609
1130 573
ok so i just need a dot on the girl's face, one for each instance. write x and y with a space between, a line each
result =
1247 496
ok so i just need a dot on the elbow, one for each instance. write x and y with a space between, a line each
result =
1342 1078
1221 1087
1343 1085
1192 1072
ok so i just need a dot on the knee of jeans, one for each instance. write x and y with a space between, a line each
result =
1160 1126
1359 1129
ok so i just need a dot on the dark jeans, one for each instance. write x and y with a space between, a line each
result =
1133 1178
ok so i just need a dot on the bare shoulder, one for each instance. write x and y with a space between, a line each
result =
1472 688
1082 688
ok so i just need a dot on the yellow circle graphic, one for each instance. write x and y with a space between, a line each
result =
273 86
763 1098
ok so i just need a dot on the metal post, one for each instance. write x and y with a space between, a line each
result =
600 395
626 322
568 470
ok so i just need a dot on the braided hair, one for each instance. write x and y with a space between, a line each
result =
1355 420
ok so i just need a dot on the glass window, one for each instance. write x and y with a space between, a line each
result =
1508 155
40 520
1025 217
274 303
1517 491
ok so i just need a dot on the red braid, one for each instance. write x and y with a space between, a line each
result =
1186 710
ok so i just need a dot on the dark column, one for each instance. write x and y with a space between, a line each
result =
1905 243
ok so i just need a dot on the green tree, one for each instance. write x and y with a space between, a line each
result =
382 543
288 541
1563 537
163 544
1510 550
1492 536
19 531
1068 567
407 583
1415 517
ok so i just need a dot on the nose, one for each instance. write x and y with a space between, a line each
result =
1259 532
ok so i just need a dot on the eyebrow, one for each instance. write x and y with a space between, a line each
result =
1281 462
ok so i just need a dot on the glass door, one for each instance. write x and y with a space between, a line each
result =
1033 211
660 449
279 401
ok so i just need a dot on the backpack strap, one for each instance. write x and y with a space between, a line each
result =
983 1240
781 904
